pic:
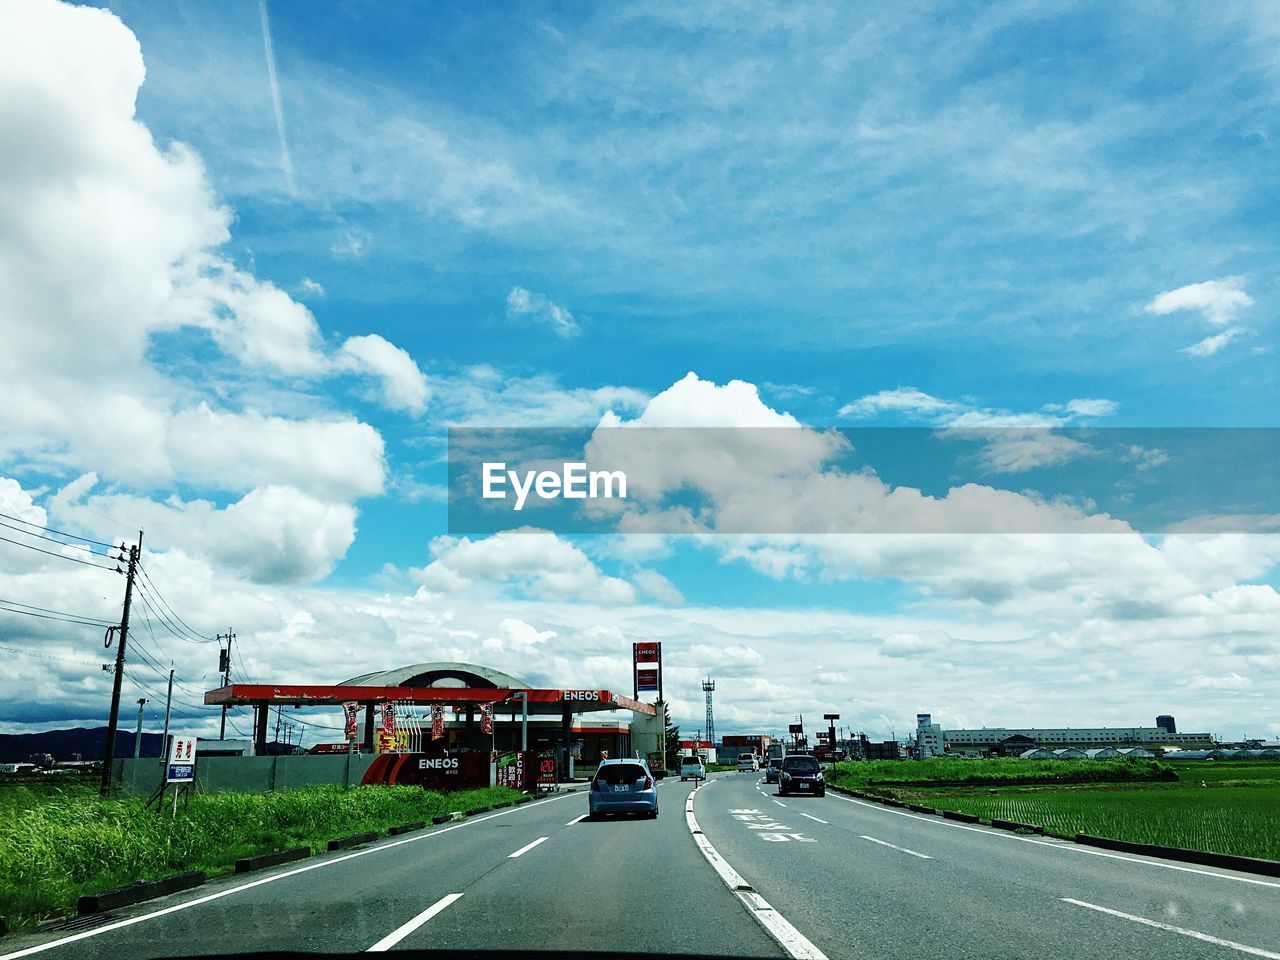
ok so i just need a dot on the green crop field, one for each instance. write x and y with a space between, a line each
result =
57 843
888 773
1220 806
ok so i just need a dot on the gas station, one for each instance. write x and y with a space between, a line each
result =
491 712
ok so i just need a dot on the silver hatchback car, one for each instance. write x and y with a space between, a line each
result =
622 786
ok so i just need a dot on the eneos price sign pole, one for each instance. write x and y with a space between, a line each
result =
181 768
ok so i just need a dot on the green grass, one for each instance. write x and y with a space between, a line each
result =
873 773
1234 811
58 844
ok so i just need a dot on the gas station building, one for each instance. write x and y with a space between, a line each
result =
579 725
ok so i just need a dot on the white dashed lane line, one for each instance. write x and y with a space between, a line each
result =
1194 934
399 933
779 803
885 843
815 818
577 820
525 849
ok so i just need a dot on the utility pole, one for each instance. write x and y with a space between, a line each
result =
277 736
168 701
137 731
109 751
224 667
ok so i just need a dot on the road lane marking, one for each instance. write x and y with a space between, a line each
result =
811 817
789 938
885 843
577 819
525 849
186 905
1196 934
399 933
1065 846
779 803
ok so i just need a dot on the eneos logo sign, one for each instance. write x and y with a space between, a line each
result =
582 695
438 763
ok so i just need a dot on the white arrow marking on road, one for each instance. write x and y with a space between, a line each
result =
815 818
577 819
525 849
399 933
1243 948
922 856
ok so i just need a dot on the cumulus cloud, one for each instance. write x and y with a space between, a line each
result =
1219 302
404 386
538 561
523 303
902 399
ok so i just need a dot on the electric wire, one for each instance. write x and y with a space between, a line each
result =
61 556
61 533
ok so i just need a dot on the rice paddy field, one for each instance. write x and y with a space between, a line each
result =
58 842
1220 806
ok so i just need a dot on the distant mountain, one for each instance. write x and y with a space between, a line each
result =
65 744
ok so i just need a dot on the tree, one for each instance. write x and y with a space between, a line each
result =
672 760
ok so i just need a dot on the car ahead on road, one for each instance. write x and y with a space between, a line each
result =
801 773
772 770
692 768
622 786
747 763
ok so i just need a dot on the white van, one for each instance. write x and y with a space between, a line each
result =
747 763
692 768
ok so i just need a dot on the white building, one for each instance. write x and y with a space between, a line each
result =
933 741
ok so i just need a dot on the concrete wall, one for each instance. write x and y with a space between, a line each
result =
245 774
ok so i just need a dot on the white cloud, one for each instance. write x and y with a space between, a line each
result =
655 585
309 288
1084 407
904 644
404 386
902 399
1212 344
484 396
537 561
1231 681
1218 301
524 303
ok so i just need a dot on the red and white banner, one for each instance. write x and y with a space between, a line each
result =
486 718
389 719
349 710
437 722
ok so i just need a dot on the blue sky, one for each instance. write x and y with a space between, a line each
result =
530 214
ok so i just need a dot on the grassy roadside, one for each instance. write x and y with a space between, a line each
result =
1223 807
56 845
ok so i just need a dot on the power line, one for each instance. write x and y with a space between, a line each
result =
62 556
61 533
47 656
62 613
46 616
155 591
64 543
162 618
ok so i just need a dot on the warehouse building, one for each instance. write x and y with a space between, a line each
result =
933 741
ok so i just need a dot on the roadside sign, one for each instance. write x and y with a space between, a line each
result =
182 760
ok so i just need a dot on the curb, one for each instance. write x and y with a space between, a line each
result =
500 804
442 818
477 810
1015 825
523 798
1269 868
405 828
342 843
921 809
137 892
962 817
273 859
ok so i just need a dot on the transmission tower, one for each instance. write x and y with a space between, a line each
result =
709 688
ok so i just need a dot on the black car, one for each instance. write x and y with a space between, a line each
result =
801 773
772 770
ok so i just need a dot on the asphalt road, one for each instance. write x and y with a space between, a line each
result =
829 876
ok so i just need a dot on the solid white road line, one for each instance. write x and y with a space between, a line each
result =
791 940
1065 846
40 948
577 819
399 933
1196 934
525 849
779 803
885 843
811 817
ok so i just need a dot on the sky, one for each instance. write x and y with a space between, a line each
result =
256 258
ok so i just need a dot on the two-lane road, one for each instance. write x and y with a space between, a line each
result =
762 876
